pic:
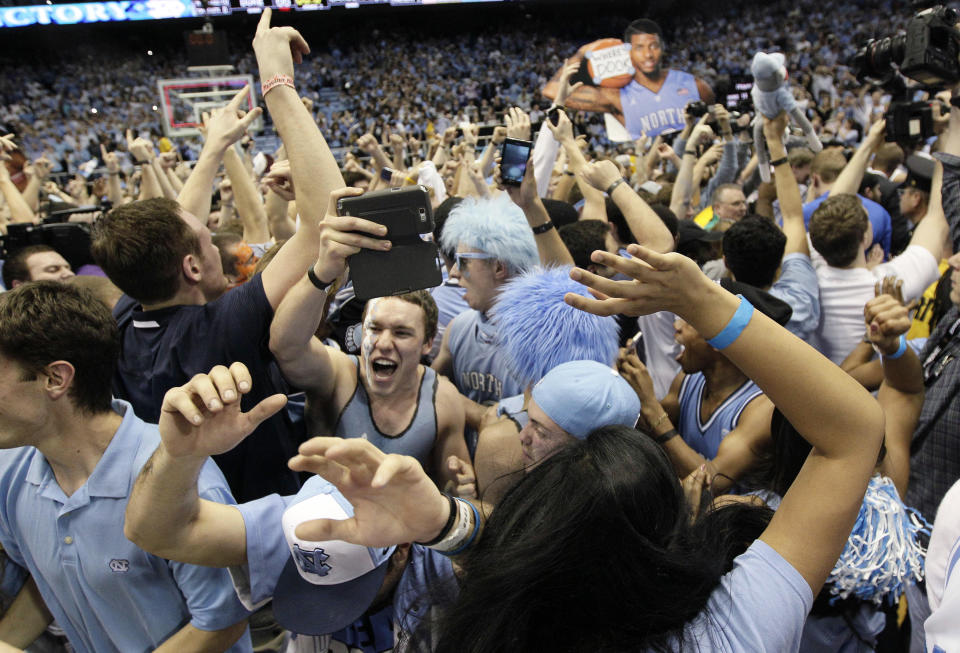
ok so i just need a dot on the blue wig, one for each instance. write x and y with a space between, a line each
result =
537 330
495 226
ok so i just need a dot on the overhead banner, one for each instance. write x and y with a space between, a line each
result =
96 12
123 10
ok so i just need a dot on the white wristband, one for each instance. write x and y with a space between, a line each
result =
460 531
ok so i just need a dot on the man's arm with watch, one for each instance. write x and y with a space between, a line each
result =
393 498
305 361
315 172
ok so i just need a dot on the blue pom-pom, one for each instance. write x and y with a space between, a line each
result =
883 553
537 330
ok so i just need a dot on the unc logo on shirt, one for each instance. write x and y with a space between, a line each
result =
118 566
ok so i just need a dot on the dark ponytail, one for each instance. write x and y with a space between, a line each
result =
594 550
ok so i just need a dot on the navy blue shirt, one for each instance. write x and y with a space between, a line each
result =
164 348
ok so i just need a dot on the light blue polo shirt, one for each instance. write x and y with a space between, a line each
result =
105 592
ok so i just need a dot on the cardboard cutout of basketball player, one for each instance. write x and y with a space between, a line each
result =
648 101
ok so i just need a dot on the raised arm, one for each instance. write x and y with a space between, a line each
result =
19 209
315 172
165 514
646 225
280 193
788 192
549 245
932 232
683 187
852 174
901 393
114 191
224 128
305 361
584 98
246 199
845 426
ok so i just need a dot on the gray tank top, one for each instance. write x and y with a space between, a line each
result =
417 440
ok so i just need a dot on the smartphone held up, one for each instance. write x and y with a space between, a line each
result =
411 263
513 161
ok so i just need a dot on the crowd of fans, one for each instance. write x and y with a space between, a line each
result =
652 368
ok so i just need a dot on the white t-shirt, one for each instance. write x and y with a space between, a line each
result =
941 628
843 293
660 350
946 533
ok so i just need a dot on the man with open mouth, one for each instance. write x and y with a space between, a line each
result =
385 395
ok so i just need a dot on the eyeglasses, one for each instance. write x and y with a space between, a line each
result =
462 257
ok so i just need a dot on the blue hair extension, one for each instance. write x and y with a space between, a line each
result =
883 553
496 226
537 330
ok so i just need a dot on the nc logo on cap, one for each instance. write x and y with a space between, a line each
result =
311 562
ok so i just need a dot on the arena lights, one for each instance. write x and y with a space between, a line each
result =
124 10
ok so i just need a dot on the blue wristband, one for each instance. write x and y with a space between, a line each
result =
901 350
476 529
736 325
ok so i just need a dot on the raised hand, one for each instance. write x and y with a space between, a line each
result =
499 134
635 373
466 478
449 135
368 143
168 160
226 191
110 159
203 417
659 282
227 125
564 88
280 180
277 48
601 174
886 316
523 195
41 168
393 499
139 148
563 130
518 124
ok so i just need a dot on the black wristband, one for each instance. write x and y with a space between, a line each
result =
315 280
690 152
612 187
446 529
663 437
779 162
543 228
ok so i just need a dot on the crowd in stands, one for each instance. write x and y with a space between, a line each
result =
647 369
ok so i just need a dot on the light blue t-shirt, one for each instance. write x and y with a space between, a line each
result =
105 592
798 287
480 369
760 605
